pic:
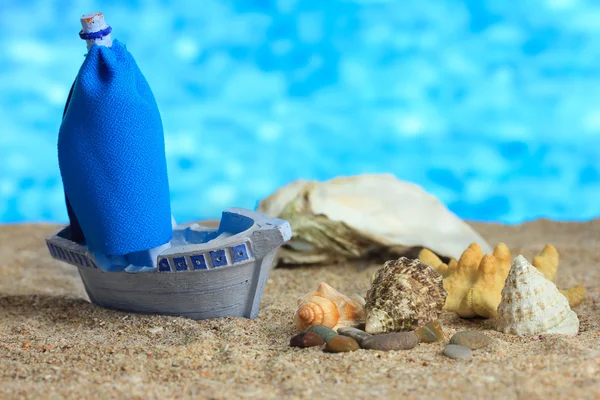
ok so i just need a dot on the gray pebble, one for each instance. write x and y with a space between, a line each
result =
471 339
391 341
354 333
458 352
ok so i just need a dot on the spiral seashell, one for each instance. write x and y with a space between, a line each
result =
404 295
326 306
532 304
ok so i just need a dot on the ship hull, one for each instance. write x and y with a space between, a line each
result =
220 278
210 294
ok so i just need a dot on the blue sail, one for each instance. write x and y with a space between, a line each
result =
112 156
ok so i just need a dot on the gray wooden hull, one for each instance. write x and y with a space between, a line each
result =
223 277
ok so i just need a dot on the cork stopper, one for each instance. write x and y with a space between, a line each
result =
95 30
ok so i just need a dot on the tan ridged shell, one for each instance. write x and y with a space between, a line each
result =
532 304
326 306
404 295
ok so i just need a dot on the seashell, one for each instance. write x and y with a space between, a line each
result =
531 304
404 295
355 217
328 307
474 283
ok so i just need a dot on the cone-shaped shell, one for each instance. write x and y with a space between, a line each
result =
404 295
326 306
531 304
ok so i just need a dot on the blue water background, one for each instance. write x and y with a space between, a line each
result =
493 106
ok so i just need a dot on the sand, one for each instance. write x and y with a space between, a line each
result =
55 344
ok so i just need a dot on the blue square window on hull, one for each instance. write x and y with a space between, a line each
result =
218 258
239 253
180 264
163 265
51 249
198 262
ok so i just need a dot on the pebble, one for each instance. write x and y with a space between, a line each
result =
324 331
341 344
391 341
471 339
431 333
354 333
306 339
458 352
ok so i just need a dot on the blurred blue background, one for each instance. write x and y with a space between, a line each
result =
490 105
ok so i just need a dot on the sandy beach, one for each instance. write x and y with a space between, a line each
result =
55 344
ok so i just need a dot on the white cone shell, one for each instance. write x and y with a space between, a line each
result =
531 304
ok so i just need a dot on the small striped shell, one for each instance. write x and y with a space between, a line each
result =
326 306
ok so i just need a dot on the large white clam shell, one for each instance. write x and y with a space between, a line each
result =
350 217
532 304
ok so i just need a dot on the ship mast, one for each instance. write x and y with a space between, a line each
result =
95 30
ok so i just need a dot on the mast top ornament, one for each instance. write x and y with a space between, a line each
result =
95 30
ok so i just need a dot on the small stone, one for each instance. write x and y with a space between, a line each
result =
431 333
471 339
155 329
341 344
458 352
391 341
324 331
306 339
354 333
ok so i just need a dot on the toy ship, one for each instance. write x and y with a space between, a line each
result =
121 235
207 273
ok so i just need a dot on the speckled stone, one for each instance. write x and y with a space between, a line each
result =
431 333
324 331
341 344
354 333
391 341
307 339
458 352
471 339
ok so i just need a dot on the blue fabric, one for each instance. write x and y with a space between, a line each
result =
112 156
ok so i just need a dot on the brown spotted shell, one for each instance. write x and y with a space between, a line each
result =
404 295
